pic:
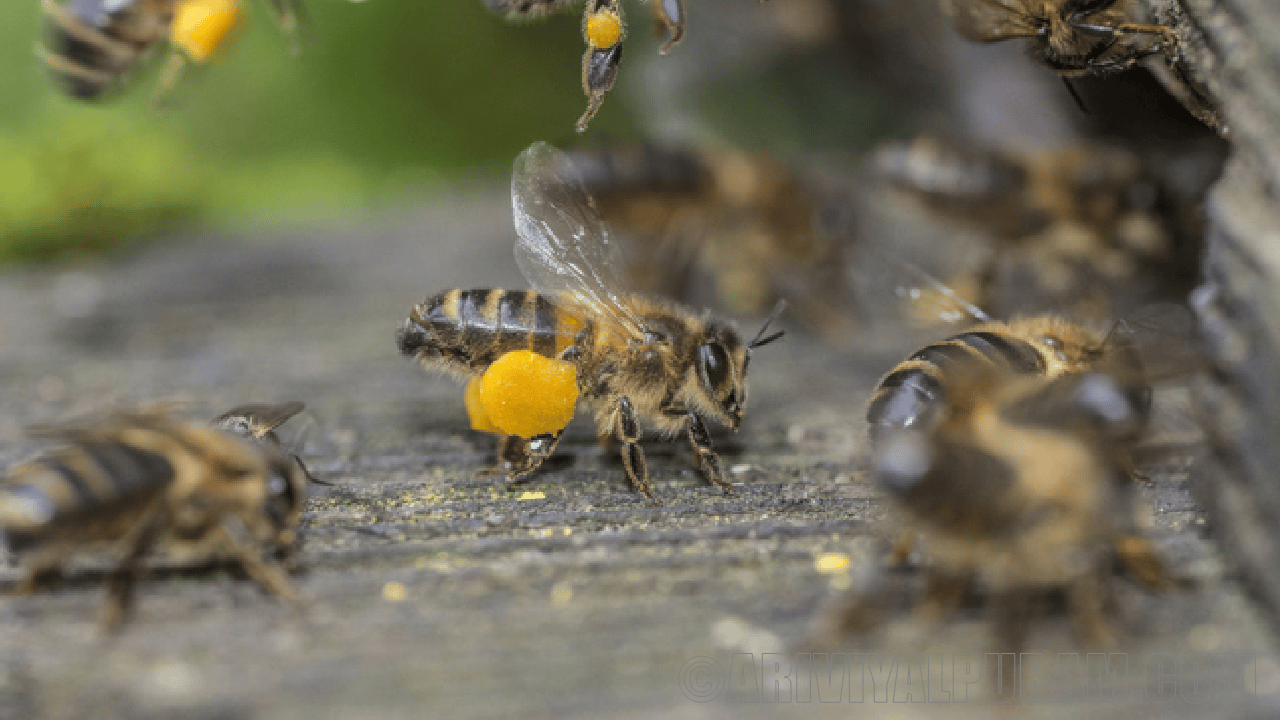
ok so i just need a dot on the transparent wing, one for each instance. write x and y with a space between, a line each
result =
259 419
1167 339
564 249
989 20
894 291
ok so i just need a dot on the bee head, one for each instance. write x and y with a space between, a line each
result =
721 361
286 495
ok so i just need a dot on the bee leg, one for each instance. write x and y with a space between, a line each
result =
42 574
1013 613
289 17
900 553
1140 561
1088 599
170 75
121 581
669 17
708 463
627 430
533 451
269 575
603 28
943 594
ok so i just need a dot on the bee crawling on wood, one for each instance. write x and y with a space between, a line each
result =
136 482
604 30
1017 491
94 45
259 421
1075 38
531 355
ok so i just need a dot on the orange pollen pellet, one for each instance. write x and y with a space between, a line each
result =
604 30
200 26
525 394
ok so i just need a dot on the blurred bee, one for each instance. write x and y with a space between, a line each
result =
1075 223
94 45
1075 38
758 227
604 29
1018 490
135 482
638 361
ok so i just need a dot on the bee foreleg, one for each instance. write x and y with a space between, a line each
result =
700 440
531 454
669 16
269 575
627 430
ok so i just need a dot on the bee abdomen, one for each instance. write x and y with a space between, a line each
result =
78 480
86 54
912 395
469 329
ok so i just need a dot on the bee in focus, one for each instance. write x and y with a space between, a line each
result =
259 421
137 482
1076 38
1072 225
756 226
94 45
638 363
604 30
1019 489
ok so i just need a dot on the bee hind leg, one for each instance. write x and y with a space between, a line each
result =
120 584
520 458
669 18
42 574
708 462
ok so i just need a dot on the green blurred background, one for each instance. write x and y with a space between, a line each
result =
389 101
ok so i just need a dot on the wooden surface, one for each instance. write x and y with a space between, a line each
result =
577 600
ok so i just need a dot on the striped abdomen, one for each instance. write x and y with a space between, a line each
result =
466 330
78 484
912 394
91 46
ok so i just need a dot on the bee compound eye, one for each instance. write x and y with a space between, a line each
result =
713 365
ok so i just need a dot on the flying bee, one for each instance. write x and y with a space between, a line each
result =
93 45
135 482
757 227
604 30
1076 38
1018 490
639 363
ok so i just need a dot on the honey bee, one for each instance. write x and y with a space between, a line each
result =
756 226
135 482
1076 38
1019 489
1072 225
94 45
639 362
604 30
259 421
913 394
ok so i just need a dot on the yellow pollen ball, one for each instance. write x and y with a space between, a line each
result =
199 26
526 395
604 30
475 409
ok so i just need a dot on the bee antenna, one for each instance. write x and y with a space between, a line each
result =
759 339
1075 95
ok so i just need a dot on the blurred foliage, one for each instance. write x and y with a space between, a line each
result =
387 99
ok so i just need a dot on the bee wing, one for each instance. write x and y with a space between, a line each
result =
989 20
1167 339
564 249
261 418
891 290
